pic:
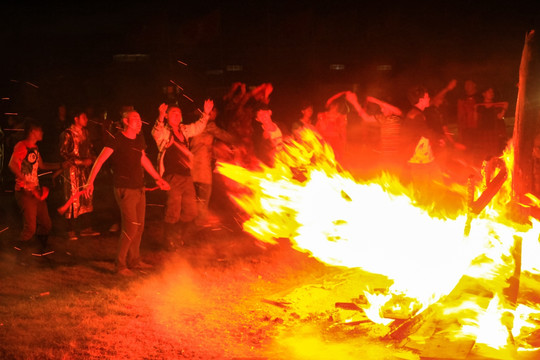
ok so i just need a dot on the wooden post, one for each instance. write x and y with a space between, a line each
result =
525 130
525 127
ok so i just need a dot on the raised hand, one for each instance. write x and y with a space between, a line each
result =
351 97
163 109
208 106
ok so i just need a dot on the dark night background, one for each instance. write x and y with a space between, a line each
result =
125 53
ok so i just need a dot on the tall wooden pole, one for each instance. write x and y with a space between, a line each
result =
525 130
525 127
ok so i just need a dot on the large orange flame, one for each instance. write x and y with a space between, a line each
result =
379 227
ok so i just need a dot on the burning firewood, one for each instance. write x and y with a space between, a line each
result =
400 307
281 304
401 329
348 306
492 186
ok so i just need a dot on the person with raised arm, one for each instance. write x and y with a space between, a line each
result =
175 162
332 124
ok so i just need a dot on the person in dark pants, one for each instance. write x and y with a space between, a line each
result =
30 196
127 152
202 147
175 161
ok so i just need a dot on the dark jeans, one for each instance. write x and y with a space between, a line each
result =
79 223
204 191
132 204
35 214
181 199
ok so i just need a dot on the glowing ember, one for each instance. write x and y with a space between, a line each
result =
379 227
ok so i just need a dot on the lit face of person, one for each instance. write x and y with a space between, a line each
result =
488 95
307 113
174 117
81 120
133 122
470 87
36 134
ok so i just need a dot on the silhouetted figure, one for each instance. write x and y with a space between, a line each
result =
305 120
268 138
332 124
202 148
240 106
466 119
420 142
389 119
491 126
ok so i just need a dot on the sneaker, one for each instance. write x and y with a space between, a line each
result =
114 227
126 273
142 265
72 236
89 232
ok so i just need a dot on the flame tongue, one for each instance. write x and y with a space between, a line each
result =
376 226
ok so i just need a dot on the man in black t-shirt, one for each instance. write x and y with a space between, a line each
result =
127 152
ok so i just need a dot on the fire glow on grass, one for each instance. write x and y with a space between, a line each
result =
378 226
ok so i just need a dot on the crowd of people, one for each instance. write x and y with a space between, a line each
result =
416 143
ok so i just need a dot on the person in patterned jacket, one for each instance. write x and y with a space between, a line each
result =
76 150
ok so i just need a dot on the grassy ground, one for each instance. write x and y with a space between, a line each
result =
202 302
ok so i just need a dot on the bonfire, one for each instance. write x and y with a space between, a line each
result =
446 276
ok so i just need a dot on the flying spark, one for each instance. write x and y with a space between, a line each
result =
174 83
